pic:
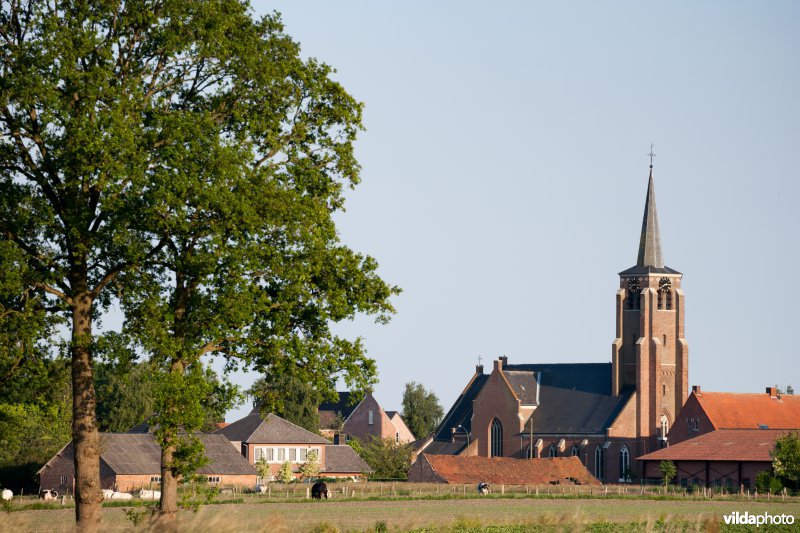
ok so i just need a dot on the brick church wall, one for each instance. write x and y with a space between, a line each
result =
495 400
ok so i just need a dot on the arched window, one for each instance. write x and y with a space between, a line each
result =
575 451
634 292
664 426
497 439
553 452
598 462
624 464
529 451
665 294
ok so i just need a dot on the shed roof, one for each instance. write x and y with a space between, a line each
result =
507 471
721 445
344 459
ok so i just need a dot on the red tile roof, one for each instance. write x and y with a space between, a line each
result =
731 410
722 445
507 471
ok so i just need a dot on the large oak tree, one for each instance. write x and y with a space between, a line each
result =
181 157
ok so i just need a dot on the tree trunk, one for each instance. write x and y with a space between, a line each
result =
168 505
85 438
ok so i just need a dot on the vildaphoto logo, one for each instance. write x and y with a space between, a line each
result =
747 519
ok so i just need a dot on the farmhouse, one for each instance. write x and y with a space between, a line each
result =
499 470
606 414
131 461
347 419
277 441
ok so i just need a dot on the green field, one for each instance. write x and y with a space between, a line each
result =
470 514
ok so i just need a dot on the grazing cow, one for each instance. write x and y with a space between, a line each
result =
150 494
483 488
107 493
48 494
7 495
122 496
319 490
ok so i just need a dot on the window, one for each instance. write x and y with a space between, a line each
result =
684 482
371 416
664 426
397 438
663 390
302 454
665 340
63 481
270 454
155 479
553 451
213 479
293 454
665 294
529 451
497 439
575 451
598 459
696 481
281 454
624 464
746 483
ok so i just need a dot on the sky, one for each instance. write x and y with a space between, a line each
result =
504 172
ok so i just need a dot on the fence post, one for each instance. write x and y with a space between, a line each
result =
502 489
307 493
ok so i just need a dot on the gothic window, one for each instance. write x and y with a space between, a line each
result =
665 294
634 291
624 464
529 452
497 439
575 451
371 416
553 452
598 462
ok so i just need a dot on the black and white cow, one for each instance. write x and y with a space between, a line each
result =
483 488
320 490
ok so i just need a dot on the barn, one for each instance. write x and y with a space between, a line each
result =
131 461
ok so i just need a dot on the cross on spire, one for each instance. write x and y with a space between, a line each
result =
651 154
479 359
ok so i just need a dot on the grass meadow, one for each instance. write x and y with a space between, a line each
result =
420 508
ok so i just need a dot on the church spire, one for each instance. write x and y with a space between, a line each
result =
650 240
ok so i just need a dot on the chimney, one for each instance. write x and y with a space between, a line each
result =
772 391
479 369
696 390
505 360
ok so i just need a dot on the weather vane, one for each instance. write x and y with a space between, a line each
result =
479 359
651 154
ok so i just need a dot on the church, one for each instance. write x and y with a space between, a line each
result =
607 414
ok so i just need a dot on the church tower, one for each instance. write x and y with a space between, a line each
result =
650 354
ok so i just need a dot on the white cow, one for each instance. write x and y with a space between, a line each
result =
48 494
121 496
150 494
107 493
7 495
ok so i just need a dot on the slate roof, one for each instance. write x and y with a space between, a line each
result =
460 414
139 453
507 471
328 411
721 445
273 429
730 410
344 459
524 385
573 398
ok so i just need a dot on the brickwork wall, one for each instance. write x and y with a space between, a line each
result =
358 426
495 400
713 473
683 428
50 477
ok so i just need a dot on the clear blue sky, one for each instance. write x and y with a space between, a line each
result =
504 177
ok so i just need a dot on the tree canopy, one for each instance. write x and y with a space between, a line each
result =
289 398
184 159
421 410
786 459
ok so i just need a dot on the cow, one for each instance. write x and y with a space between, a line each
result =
483 488
150 494
48 494
121 496
6 495
320 490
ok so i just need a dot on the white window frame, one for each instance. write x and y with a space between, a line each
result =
371 417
